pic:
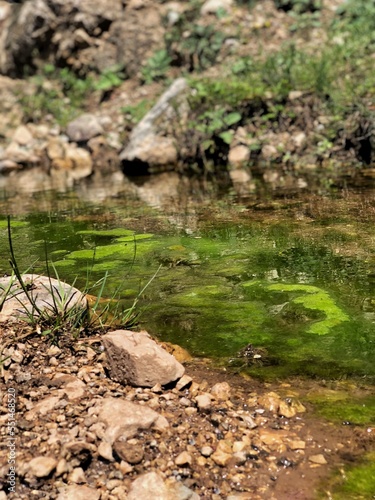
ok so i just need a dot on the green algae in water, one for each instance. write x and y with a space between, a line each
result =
317 300
340 407
357 483
115 232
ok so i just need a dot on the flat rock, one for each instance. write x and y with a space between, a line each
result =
125 419
135 359
74 492
42 290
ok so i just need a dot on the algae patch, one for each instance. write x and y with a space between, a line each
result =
355 483
314 299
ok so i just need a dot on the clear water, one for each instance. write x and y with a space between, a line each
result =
294 278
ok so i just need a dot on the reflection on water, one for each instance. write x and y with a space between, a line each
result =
292 276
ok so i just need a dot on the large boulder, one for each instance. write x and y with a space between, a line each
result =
135 359
152 146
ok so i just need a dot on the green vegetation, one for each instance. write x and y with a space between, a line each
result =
66 315
156 66
337 81
62 93
317 300
353 482
192 45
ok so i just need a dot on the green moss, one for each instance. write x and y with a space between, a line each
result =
118 231
65 263
145 236
339 407
357 483
15 223
318 300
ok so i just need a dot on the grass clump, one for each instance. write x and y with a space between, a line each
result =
65 311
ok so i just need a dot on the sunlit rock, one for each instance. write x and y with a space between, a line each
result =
48 296
136 359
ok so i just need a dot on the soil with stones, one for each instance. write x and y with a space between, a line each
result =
223 437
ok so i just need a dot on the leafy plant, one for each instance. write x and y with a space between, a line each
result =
156 66
110 78
62 93
193 45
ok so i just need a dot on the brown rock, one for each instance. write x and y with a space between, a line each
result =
130 453
221 391
183 458
318 459
41 466
223 453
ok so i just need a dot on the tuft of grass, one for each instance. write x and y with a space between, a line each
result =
64 315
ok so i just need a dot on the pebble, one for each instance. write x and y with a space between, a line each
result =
204 401
183 458
318 459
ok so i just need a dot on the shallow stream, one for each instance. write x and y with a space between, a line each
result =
274 287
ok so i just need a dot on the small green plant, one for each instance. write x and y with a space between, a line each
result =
66 313
110 78
156 66
62 93
193 45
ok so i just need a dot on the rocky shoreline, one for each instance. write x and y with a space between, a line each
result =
86 91
209 434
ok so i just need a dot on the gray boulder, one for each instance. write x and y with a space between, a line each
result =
152 145
83 128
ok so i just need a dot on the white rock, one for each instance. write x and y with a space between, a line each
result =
238 155
74 492
41 466
148 142
204 401
42 290
136 359
73 387
151 486
212 6
77 476
22 136
124 418
105 451
221 391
